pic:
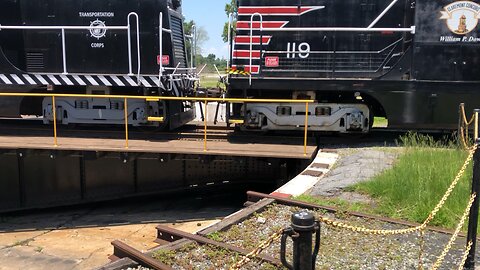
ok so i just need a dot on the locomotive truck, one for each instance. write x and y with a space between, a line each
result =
411 61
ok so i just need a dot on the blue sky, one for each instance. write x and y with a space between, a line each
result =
211 16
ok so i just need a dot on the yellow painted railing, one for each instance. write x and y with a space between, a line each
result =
155 99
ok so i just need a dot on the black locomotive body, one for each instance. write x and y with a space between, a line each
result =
95 47
412 61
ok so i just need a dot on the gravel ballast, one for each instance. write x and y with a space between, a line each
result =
340 249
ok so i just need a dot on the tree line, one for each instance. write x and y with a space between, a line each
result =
201 37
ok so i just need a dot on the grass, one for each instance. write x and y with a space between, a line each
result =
417 182
210 81
380 122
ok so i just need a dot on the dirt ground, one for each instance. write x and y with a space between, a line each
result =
79 237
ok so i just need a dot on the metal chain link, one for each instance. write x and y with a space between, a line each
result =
422 250
464 116
465 256
447 248
464 127
264 245
431 216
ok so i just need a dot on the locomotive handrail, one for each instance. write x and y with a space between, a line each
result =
256 14
63 28
229 39
160 43
130 45
40 27
340 29
206 100
382 14
343 52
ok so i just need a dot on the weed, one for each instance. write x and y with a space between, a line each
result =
215 236
418 181
38 249
418 140
165 256
22 242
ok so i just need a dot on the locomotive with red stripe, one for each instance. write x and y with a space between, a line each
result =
96 47
411 61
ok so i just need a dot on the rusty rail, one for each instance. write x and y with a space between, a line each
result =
122 250
170 234
253 197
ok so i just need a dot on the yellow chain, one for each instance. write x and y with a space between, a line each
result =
264 245
422 250
423 226
447 248
464 127
464 116
465 255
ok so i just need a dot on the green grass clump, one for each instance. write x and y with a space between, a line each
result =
380 122
418 181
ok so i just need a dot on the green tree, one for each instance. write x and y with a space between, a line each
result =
200 38
229 9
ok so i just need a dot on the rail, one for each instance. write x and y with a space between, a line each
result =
204 100
90 28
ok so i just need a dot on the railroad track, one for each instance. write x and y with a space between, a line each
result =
176 241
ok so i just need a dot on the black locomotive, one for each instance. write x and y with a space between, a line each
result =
95 47
412 61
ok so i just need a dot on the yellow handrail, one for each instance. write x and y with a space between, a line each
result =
153 98
206 100
125 108
54 110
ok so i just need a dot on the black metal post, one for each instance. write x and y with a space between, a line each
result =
302 230
473 218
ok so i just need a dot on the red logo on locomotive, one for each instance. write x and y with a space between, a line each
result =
272 61
165 60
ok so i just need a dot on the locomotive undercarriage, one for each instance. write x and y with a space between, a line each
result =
110 111
103 111
329 113
331 117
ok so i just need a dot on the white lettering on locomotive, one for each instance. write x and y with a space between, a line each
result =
96 14
303 50
98 45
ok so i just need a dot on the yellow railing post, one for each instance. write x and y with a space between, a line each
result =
54 108
126 122
205 116
476 127
306 130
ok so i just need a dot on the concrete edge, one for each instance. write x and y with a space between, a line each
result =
321 165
